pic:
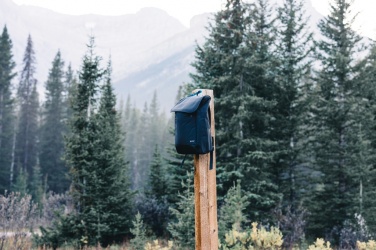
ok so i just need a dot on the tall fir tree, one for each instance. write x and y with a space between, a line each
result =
28 105
339 112
111 182
236 62
294 51
53 128
366 177
95 154
7 117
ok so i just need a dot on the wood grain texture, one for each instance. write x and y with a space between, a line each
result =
206 194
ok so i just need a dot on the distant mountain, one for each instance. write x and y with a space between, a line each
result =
150 50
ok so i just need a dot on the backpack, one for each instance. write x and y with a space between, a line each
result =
192 126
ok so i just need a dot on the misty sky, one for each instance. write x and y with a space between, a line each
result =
184 10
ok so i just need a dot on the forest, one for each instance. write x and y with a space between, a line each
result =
295 123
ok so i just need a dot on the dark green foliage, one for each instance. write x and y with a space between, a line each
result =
95 155
157 177
139 233
340 113
60 234
294 51
53 129
154 206
182 228
237 62
233 212
21 182
7 117
27 127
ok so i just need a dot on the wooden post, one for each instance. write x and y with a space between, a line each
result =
206 226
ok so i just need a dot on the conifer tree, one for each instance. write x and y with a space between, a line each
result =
27 127
21 183
182 228
157 181
236 62
366 177
294 51
154 205
139 232
95 154
339 112
7 117
232 214
53 129
112 185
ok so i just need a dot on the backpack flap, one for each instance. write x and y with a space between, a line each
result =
189 104
192 125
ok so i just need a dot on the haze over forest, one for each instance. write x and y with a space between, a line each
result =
150 50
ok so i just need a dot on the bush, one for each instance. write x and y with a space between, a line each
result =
320 244
370 245
258 238
18 215
156 246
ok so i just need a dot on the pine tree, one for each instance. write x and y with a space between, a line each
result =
139 232
367 176
27 127
112 184
294 51
236 62
157 181
154 205
339 112
95 153
36 185
21 183
7 118
53 129
232 214
183 228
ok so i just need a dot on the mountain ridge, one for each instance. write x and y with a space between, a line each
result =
150 50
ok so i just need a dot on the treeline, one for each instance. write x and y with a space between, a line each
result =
295 123
295 118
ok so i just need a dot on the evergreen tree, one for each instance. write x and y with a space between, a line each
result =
339 112
138 230
112 184
143 152
236 62
367 175
182 228
53 129
157 181
294 51
21 183
7 118
36 185
27 128
95 153
232 213
154 205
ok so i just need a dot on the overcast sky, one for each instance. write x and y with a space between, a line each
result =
184 10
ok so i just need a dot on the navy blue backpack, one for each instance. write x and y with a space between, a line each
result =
192 126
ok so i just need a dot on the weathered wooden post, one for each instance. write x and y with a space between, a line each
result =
206 226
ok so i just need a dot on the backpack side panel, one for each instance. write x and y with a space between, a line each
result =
185 132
